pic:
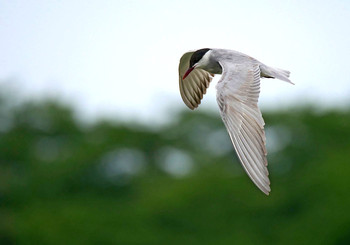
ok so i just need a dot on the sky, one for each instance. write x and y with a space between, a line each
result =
120 58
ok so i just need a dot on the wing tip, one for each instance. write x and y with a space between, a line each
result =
265 190
267 193
190 105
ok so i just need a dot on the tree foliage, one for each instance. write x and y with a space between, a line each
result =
62 182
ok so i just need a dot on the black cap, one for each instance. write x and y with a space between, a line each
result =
198 55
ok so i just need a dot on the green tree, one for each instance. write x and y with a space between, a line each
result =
62 182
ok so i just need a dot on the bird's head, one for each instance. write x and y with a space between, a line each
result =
198 60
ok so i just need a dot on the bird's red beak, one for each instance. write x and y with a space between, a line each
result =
188 72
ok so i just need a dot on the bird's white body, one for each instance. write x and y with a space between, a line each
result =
237 96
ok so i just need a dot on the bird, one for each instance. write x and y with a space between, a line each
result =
237 94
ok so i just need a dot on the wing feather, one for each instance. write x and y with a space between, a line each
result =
196 83
237 95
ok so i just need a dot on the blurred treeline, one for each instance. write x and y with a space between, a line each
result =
67 182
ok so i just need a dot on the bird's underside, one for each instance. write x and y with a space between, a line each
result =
237 96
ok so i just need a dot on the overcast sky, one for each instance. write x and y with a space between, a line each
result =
120 58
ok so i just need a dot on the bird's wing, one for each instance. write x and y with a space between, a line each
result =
195 84
237 95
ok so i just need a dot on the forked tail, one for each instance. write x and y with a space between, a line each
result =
271 72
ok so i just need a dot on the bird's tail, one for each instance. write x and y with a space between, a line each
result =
271 72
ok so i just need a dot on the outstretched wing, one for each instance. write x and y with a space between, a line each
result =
196 83
237 96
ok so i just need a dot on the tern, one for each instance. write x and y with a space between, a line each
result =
237 96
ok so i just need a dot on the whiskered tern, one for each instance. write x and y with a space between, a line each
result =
237 96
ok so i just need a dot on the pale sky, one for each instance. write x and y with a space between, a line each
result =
120 58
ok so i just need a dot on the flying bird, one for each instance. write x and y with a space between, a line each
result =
237 96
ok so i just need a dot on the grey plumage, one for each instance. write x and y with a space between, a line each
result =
237 96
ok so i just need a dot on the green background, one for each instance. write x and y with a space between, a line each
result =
66 181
